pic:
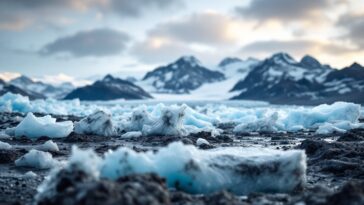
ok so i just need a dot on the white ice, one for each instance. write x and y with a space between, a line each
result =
5 146
36 159
29 175
35 127
201 141
240 170
48 146
98 123
132 134
146 116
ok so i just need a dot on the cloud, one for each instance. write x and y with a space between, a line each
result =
284 10
354 25
202 28
135 8
295 47
97 42
157 50
19 14
203 34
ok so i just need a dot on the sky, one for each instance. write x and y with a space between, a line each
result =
85 38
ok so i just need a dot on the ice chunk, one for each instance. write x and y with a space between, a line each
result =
98 123
29 175
48 146
169 123
268 124
328 128
201 141
10 102
240 170
36 159
4 146
138 119
308 118
35 127
85 160
4 135
134 134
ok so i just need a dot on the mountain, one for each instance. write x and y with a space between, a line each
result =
281 79
6 87
346 84
109 88
47 90
182 76
236 68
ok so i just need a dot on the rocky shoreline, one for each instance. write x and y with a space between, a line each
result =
335 169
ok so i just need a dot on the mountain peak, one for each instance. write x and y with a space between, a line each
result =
311 62
283 58
189 59
229 60
356 66
23 79
108 78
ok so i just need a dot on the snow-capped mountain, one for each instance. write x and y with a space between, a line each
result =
237 68
44 89
109 88
281 79
182 76
6 87
346 84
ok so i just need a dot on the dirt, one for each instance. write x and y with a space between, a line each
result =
335 169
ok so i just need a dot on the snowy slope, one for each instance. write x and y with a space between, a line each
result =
109 88
281 79
47 90
182 76
234 70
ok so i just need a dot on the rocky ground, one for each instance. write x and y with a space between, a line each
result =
335 172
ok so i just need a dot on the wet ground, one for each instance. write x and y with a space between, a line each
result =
335 171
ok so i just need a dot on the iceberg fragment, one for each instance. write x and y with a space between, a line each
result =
201 141
29 175
169 123
268 124
138 119
36 159
134 134
35 127
240 170
48 146
98 123
5 146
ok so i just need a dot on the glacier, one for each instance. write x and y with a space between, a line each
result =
240 170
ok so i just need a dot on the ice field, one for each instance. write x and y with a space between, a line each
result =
150 118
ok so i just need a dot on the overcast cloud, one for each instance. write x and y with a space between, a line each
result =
97 43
